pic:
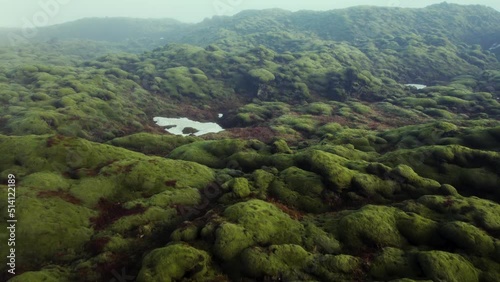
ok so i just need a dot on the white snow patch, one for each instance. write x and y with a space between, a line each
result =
418 86
177 125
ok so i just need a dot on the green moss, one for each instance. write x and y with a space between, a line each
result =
393 263
173 263
305 123
370 185
186 233
479 212
152 143
256 222
317 240
48 274
46 181
240 187
151 215
58 153
156 175
231 240
416 185
183 197
210 153
489 268
360 108
281 146
439 113
443 266
330 166
319 109
262 179
419 230
370 226
262 75
452 101
335 267
51 226
423 102
329 128
300 189
286 261
91 189
468 237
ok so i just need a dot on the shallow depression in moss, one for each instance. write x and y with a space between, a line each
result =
186 127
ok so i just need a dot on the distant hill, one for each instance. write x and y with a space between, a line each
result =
472 24
150 32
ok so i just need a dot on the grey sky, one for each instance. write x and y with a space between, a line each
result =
23 12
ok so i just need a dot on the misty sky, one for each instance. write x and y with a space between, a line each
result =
18 13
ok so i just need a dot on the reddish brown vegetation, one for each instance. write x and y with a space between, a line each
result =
171 183
293 213
263 134
448 202
60 194
96 246
111 212
54 140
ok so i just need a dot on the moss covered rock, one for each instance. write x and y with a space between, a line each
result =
210 153
48 274
285 261
240 187
370 226
175 262
53 229
330 166
152 144
419 230
468 237
336 267
443 266
254 222
281 146
301 189
394 263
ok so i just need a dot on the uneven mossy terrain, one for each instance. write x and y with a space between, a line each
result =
331 169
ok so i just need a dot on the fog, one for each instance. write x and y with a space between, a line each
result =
48 12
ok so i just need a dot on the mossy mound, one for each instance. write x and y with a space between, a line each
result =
286 262
443 266
156 175
57 154
412 183
240 187
330 166
370 226
479 212
48 274
251 223
152 144
41 222
419 230
372 186
336 267
262 179
394 263
214 154
468 237
301 189
175 262
280 146
472 172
